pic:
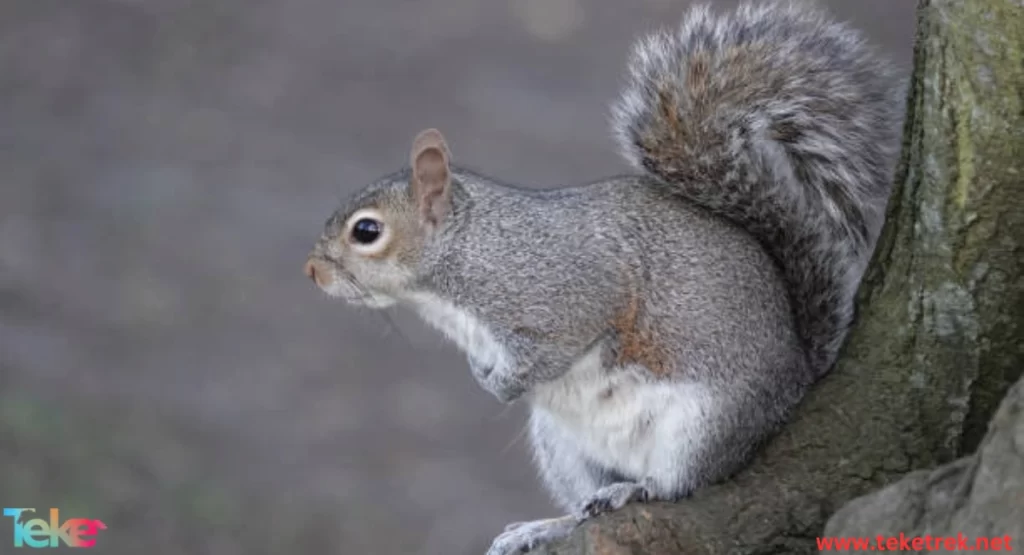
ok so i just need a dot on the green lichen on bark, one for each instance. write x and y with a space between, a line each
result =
983 67
940 316
952 240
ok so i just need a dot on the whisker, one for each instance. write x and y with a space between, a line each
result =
503 413
364 294
519 436
393 326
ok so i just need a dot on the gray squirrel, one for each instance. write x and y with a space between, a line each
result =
660 326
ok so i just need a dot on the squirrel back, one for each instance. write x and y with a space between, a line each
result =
785 123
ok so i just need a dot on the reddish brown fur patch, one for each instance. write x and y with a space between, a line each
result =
675 144
670 138
637 343
700 70
662 140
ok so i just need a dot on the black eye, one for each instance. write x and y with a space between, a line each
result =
366 231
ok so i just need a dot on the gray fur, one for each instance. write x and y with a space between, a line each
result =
784 122
660 326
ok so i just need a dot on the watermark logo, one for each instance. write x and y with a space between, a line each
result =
36 532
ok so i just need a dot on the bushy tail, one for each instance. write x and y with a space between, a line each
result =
787 124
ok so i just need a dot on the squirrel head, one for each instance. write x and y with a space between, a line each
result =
371 247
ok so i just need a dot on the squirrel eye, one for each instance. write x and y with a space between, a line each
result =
366 231
368 234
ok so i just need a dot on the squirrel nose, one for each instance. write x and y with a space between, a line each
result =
310 270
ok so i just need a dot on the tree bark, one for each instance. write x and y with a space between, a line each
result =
974 501
938 339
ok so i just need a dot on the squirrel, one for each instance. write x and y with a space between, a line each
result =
660 326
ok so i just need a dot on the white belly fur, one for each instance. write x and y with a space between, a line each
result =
643 428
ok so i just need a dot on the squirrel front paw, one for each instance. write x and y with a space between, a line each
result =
498 381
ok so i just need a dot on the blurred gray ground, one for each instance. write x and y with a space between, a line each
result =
165 166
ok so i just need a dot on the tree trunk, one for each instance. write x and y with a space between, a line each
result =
941 315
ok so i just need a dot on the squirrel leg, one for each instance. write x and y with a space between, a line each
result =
569 477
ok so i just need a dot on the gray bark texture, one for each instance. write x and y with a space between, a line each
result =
937 344
978 496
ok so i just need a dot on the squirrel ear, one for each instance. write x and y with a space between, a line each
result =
431 177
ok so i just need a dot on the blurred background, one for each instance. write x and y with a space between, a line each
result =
164 168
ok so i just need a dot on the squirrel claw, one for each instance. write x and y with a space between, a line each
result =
612 498
504 387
